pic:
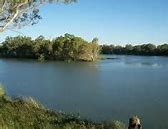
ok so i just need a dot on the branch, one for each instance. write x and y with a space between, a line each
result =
15 31
10 21
19 10
3 4
14 17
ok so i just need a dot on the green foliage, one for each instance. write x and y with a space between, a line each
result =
18 13
17 47
26 113
145 49
67 48
118 125
41 58
2 91
115 125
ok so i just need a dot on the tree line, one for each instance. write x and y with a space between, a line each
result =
67 47
71 48
144 49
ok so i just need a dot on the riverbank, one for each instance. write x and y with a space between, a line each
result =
26 113
139 50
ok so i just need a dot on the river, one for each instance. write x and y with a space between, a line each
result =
110 89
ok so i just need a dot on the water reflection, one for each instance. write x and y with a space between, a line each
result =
143 61
144 64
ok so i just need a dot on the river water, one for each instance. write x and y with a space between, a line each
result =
110 89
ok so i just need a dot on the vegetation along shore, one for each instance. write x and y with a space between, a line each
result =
144 49
71 48
26 113
66 48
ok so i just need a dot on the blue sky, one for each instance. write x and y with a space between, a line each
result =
112 21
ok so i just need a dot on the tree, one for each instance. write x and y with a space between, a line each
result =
87 52
128 49
42 47
18 13
144 49
162 49
95 49
148 49
107 49
18 47
67 47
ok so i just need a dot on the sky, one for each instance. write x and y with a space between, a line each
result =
117 22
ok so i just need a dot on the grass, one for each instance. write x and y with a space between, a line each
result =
26 113
2 90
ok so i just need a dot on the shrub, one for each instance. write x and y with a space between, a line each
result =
2 91
41 58
115 125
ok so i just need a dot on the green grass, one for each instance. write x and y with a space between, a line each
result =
26 113
2 90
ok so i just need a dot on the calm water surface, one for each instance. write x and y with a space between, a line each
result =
106 90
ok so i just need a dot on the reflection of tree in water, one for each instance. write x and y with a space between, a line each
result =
144 62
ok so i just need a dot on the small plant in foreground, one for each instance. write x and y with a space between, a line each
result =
2 90
115 125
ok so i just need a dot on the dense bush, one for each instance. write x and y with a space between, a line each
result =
145 49
67 47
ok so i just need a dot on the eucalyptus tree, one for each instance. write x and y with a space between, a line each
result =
18 13
67 47
17 47
41 47
95 48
